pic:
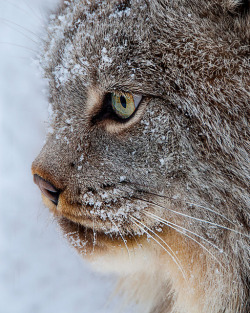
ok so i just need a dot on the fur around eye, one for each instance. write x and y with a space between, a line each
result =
124 104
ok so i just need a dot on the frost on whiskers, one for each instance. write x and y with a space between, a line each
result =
75 240
113 210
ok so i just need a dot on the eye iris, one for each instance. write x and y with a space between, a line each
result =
123 104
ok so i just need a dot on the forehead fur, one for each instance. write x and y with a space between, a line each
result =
188 52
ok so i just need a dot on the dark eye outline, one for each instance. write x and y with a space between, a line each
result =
107 112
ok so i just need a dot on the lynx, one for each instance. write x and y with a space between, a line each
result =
146 161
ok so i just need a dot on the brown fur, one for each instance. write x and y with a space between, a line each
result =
162 199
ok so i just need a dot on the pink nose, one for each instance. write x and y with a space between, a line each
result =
47 189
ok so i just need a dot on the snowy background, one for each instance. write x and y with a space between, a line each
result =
39 272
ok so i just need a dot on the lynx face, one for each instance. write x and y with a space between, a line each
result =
146 155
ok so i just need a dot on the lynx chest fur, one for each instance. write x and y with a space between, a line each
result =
146 162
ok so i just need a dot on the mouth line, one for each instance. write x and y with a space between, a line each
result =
65 220
104 222
85 223
85 234
89 225
89 217
80 221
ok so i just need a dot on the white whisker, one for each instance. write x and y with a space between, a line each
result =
210 210
192 217
94 234
124 240
182 232
190 203
187 230
174 258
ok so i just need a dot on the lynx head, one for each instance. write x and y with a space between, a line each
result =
146 155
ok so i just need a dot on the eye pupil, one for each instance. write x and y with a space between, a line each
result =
123 101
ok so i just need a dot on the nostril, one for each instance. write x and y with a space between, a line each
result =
47 189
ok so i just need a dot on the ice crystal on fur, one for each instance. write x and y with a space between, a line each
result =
164 194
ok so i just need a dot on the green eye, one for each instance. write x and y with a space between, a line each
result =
124 104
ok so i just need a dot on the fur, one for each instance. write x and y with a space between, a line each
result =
162 200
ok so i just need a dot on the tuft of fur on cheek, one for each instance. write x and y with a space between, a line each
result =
159 284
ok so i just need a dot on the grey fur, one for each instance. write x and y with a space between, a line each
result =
190 60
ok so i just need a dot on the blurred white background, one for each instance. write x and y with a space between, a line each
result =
39 272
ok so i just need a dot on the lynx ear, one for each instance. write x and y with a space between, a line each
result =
237 7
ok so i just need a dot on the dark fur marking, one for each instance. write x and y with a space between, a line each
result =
123 5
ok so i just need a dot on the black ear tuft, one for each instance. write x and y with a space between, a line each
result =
242 8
